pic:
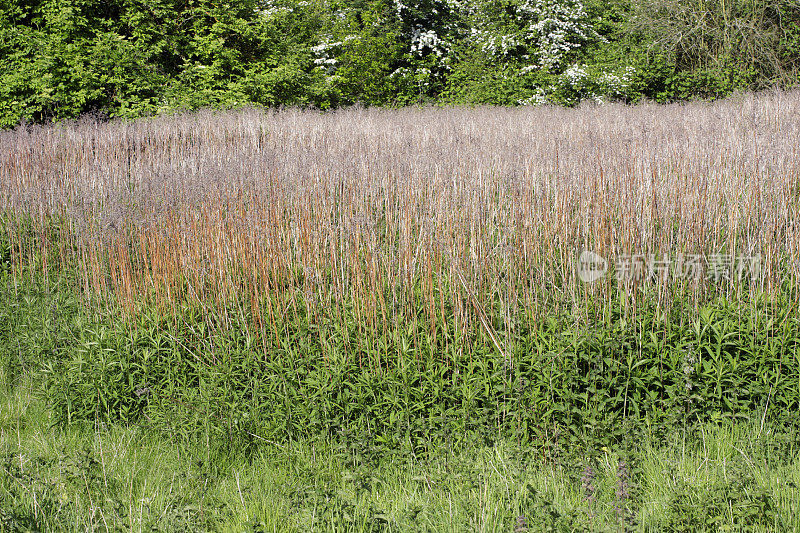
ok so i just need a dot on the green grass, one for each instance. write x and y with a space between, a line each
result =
670 421
134 479
171 466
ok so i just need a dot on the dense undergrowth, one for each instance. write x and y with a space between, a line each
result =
579 429
568 381
721 476
596 383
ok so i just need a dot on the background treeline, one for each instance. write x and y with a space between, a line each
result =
128 58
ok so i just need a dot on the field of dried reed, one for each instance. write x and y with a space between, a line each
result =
411 214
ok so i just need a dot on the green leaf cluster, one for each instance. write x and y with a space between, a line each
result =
130 58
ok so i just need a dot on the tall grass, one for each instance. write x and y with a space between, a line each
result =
408 215
402 276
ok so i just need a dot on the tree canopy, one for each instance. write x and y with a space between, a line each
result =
129 58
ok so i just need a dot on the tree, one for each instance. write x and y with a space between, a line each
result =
715 46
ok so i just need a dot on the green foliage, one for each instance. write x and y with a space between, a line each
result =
715 48
558 382
79 470
592 385
569 395
62 58
365 52
737 500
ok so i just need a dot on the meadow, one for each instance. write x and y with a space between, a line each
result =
379 320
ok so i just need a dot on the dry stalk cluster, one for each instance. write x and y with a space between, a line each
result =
445 215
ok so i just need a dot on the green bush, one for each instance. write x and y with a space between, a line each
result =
590 384
62 58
